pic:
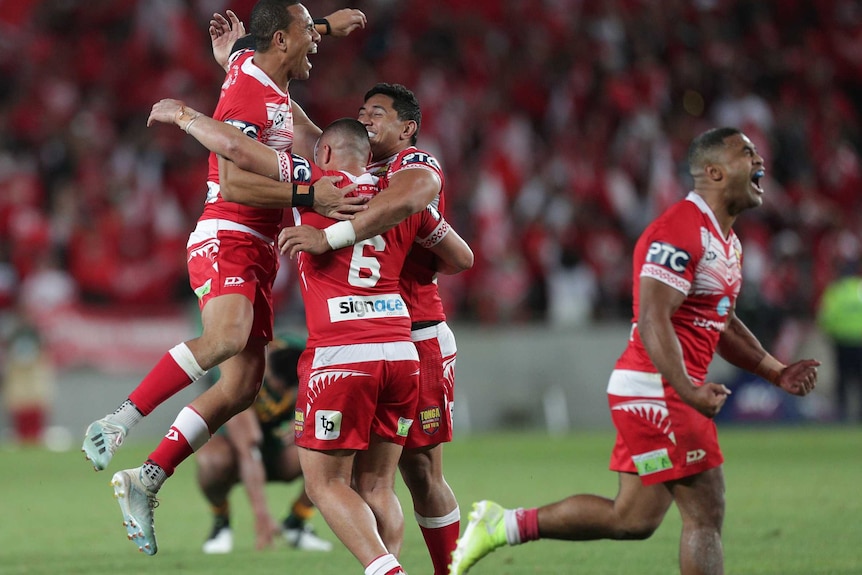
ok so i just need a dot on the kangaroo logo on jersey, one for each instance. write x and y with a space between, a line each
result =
668 256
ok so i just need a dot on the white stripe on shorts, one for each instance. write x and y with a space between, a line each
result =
628 383
357 353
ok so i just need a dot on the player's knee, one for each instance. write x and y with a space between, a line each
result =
640 528
417 478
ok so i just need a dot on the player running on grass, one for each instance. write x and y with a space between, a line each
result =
688 273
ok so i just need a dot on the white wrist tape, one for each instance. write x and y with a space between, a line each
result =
340 235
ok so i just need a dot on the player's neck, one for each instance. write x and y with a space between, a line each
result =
270 67
389 153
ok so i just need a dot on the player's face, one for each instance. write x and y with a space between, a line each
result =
744 171
303 39
388 135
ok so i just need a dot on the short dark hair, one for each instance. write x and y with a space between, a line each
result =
349 128
243 43
403 101
268 17
703 146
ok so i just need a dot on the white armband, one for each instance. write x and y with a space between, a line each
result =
340 235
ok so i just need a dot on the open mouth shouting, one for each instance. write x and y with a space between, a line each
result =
755 180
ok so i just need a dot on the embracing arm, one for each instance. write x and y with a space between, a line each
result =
218 137
249 172
453 254
658 303
739 347
409 192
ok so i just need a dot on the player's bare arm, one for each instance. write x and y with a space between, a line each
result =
453 254
739 347
227 29
343 22
224 31
218 137
251 158
245 436
658 303
250 189
408 193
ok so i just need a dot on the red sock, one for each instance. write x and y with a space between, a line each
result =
163 381
528 524
172 450
441 542
188 434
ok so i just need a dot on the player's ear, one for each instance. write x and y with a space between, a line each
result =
325 154
408 130
713 172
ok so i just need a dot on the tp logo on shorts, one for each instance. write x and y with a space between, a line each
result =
327 425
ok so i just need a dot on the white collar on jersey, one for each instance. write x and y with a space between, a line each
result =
698 200
250 68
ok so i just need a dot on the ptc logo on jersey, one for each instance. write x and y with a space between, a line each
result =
246 128
429 419
420 158
327 424
668 256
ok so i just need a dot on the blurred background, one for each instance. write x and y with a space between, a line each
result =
562 127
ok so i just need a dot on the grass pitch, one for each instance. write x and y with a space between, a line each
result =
794 507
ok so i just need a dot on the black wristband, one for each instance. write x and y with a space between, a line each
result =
305 199
324 22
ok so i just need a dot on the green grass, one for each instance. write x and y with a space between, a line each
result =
793 508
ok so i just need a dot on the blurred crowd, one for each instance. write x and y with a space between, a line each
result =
562 127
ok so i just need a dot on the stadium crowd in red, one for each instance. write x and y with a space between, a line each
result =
562 127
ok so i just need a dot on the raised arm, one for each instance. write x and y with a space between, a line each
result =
224 31
658 302
227 29
739 347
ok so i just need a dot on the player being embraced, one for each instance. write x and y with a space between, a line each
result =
413 180
254 447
